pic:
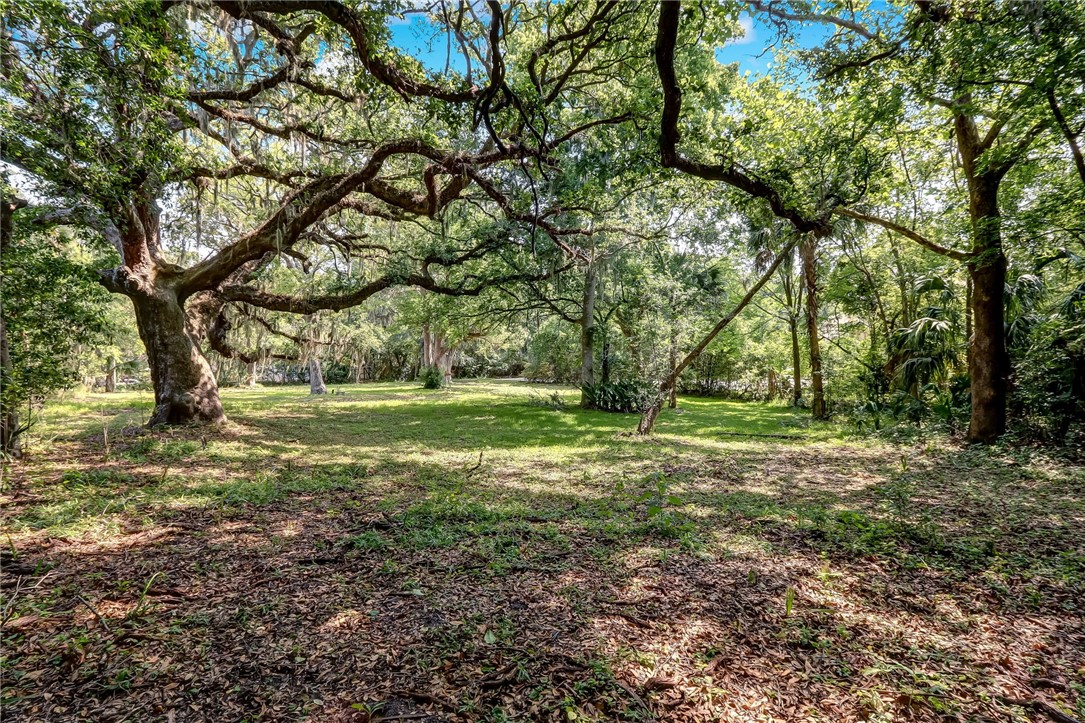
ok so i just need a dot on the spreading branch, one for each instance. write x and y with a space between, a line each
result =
906 233
770 7
730 173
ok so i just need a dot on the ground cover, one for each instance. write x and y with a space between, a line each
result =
480 553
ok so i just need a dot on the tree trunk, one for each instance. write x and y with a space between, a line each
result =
587 335
968 319
672 400
9 417
252 374
988 362
796 363
316 377
437 353
359 368
796 355
110 374
808 250
648 417
185 390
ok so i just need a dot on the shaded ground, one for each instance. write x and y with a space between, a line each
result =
351 558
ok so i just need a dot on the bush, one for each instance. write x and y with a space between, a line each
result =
625 397
1047 398
431 377
552 401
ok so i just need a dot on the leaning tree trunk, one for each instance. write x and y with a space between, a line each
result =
316 377
809 270
185 390
988 361
648 417
587 335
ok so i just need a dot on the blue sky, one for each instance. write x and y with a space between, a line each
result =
414 35
753 52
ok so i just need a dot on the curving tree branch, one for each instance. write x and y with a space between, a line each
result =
730 173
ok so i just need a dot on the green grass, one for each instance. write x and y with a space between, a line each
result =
377 492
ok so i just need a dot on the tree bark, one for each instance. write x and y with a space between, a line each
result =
796 355
316 377
672 400
252 374
808 250
648 418
587 334
796 363
9 416
110 374
988 361
185 390
968 319
436 352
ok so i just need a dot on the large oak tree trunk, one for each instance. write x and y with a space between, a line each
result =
185 390
988 361
436 352
809 271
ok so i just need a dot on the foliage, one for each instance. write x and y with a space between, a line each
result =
52 306
620 396
553 400
432 377
1048 398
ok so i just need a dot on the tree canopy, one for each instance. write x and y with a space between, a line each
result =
569 163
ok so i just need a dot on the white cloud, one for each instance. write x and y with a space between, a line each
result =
745 23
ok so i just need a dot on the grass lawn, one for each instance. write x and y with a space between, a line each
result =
392 553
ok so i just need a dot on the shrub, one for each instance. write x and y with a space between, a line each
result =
552 401
625 397
431 377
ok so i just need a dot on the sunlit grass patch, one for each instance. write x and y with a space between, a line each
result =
491 530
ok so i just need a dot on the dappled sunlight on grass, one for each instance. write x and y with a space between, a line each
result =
706 575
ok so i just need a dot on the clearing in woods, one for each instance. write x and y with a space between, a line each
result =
354 558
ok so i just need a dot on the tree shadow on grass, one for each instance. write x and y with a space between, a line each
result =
335 591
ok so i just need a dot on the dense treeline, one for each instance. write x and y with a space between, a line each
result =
886 226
